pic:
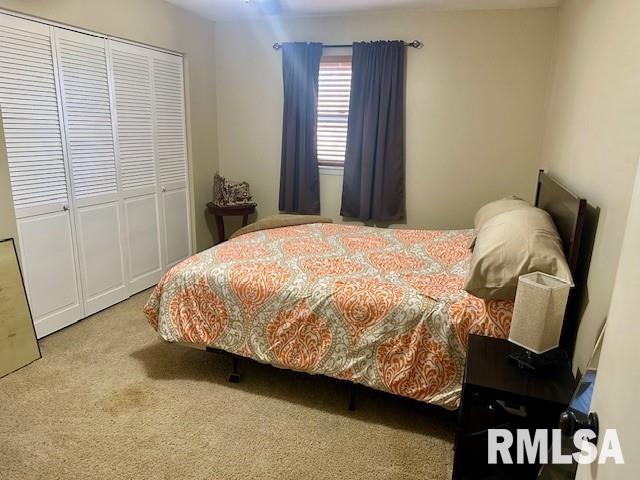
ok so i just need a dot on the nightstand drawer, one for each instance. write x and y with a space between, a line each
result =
484 414
497 395
490 413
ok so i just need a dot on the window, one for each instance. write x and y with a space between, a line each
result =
333 109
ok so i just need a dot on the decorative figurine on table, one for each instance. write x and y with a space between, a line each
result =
230 198
228 193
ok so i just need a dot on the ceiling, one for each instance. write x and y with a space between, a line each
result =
238 9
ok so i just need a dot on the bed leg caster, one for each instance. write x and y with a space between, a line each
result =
234 376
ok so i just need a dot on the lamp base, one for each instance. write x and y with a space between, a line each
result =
533 362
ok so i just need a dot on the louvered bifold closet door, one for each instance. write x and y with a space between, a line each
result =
86 100
34 142
131 73
172 155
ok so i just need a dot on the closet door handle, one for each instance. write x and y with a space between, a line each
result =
164 189
65 207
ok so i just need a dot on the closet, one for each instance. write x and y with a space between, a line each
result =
96 144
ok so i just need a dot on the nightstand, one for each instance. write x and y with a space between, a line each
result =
491 383
219 212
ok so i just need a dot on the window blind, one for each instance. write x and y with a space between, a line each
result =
334 89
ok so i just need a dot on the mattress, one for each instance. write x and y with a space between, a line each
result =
381 307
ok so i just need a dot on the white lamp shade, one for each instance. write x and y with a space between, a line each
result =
538 312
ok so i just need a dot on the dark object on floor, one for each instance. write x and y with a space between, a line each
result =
498 394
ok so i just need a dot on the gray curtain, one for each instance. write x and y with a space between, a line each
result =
373 183
299 174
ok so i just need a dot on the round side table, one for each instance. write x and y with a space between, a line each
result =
219 212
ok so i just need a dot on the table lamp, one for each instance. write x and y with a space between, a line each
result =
536 324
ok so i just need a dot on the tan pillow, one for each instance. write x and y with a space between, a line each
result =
490 210
511 244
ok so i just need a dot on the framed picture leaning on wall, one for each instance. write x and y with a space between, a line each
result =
18 344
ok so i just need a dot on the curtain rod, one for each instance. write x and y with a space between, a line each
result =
414 44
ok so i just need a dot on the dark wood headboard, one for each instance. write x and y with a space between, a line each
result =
568 211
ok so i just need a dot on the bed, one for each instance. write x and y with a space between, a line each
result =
384 308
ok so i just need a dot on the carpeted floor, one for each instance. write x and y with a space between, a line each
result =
110 400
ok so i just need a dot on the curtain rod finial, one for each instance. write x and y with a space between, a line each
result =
277 46
417 44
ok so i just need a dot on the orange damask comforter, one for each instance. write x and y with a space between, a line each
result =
380 307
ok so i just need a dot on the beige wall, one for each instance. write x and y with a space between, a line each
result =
593 132
156 23
617 389
476 100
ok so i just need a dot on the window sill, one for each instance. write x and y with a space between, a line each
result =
326 170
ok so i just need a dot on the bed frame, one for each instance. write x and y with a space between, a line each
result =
568 211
